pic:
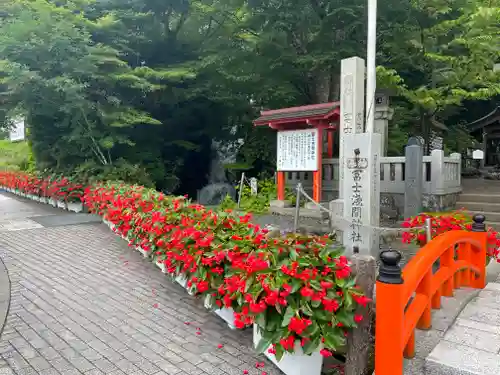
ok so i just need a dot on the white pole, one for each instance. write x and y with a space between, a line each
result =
371 74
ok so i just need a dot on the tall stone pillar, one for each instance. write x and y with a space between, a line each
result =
352 97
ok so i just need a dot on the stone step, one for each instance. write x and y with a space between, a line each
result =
477 207
479 197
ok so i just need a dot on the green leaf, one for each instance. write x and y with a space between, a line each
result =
263 345
311 345
279 352
315 304
306 309
345 317
289 313
249 283
321 315
273 320
316 285
296 285
260 320
311 330
348 302
334 340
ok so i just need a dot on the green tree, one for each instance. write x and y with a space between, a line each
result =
68 85
440 54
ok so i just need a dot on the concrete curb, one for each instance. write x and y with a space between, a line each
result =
4 295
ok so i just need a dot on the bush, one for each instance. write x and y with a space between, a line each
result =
259 203
15 156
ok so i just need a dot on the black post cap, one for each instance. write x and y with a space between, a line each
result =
478 224
390 270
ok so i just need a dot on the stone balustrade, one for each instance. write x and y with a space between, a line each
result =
441 180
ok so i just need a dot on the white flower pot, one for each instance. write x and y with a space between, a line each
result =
75 206
145 253
225 314
297 363
61 204
182 281
161 266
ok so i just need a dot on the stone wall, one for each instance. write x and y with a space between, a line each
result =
392 204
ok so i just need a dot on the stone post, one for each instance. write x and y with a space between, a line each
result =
458 156
361 186
437 172
360 342
383 114
352 97
414 155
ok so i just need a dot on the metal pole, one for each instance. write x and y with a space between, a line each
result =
242 182
371 73
428 233
297 207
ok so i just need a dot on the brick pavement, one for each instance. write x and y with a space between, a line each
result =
84 303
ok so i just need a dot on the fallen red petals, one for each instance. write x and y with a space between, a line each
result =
245 371
198 333
155 305
187 323
220 346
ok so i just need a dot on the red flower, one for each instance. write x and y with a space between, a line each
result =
325 353
306 292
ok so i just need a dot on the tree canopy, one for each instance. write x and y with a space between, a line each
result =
139 89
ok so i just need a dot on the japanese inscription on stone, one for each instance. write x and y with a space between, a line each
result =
298 150
362 192
356 166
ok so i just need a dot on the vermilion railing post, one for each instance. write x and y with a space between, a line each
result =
390 309
465 253
425 288
447 260
478 258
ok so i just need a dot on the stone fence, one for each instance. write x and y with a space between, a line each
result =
441 181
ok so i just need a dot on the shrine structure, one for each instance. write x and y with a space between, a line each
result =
303 134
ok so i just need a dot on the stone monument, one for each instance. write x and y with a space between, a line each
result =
352 72
358 204
414 155
218 185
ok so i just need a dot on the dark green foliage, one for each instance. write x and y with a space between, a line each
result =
137 90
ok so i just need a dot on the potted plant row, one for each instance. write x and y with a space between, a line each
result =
58 192
295 291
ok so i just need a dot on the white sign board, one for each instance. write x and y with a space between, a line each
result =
478 155
298 150
17 132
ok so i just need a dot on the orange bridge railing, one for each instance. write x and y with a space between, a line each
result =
405 299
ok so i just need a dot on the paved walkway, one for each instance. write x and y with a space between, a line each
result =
472 345
82 302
